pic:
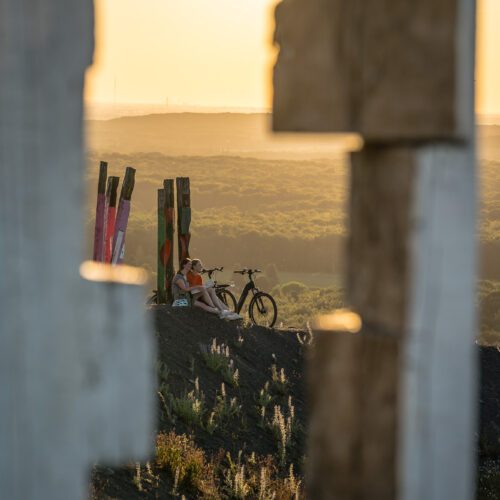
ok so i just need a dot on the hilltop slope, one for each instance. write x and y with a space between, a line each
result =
184 375
221 426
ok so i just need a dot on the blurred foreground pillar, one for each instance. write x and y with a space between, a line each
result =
394 406
75 356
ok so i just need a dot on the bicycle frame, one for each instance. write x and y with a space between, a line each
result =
244 294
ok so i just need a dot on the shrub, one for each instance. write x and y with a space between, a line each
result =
186 463
190 407
218 360
293 289
283 427
279 380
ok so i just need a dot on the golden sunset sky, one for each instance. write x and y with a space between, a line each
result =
218 53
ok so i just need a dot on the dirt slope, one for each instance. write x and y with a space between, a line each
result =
184 335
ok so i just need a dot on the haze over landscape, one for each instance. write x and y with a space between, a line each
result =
178 89
185 89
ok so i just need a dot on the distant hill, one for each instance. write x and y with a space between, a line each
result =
195 134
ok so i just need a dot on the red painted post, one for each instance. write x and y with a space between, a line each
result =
98 254
110 217
183 216
122 216
160 276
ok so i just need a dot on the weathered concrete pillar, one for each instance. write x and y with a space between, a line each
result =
401 75
56 362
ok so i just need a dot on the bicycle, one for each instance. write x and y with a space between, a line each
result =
262 309
153 299
221 290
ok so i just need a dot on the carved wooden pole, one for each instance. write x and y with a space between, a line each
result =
110 217
160 275
122 216
395 410
168 186
183 216
98 254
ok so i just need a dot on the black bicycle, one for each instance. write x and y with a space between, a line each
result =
262 309
221 290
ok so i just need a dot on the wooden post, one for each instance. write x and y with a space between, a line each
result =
168 186
118 336
76 357
122 216
160 276
353 423
98 254
110 217
183 216
364 72
395 405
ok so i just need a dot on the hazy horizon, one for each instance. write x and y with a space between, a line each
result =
113 110
218 55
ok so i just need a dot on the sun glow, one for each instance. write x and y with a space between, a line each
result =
215 54
218 53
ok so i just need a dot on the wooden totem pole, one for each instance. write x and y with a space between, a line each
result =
168 258
122 216
160 273
110 217
166 232
394 406
98 254
183 216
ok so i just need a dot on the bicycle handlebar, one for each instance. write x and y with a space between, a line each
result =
248 271
210 271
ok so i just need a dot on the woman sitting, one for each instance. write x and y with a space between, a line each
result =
181 289
195 280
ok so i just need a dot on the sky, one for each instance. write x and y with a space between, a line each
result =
179 52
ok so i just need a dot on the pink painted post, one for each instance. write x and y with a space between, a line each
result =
98 254
122 216
109 217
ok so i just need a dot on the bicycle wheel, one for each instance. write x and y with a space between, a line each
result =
263 310
228 298
152 300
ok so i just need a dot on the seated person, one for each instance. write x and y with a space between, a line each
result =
181 289
195 279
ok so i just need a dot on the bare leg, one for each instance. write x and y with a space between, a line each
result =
205 307
217 302
203 295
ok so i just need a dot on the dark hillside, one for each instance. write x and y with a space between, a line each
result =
236 424
183 334
269 379
489 431
232 430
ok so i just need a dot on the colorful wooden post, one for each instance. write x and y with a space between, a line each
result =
98 254
168 187
183 216
122 216
110 217
160 275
